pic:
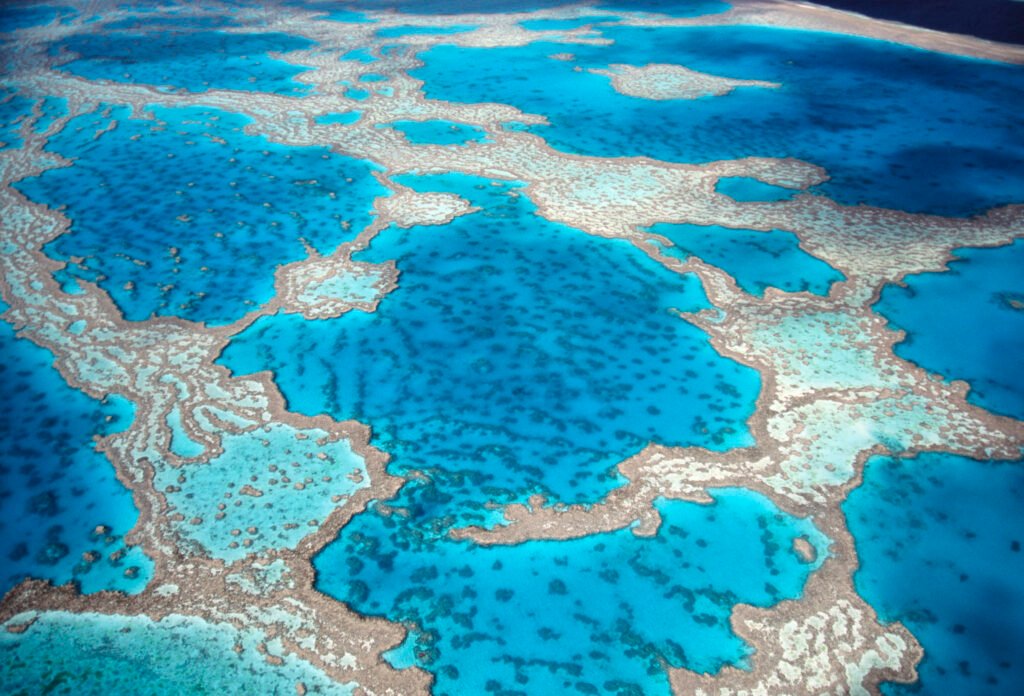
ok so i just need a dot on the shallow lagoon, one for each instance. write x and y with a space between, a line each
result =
201 236
757 260
517 354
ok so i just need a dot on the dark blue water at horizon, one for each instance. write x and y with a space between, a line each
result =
995 20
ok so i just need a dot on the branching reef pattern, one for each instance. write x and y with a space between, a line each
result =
232 522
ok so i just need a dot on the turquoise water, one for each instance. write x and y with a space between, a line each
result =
939 539
248 203
55 488
894 126
363 55
517 355
592 615
355 93
755 259
196 61
744 189
439 132
330 472
407 30
348 17
347 118
968 323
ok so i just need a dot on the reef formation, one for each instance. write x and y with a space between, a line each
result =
237 492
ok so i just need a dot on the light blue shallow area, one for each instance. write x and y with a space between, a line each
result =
348 17
409 30
591 615
517 355
92 654
894 126
745 189
755 259
439 132
363 55
968 323
939 539
247 204
346 118
55 489
195 61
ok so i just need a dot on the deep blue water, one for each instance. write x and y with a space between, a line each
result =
939 538
968 323
54 488
193 60
755 259
894 126
591 615
178 22
516 355
249 203
13 18
13 107
996 20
